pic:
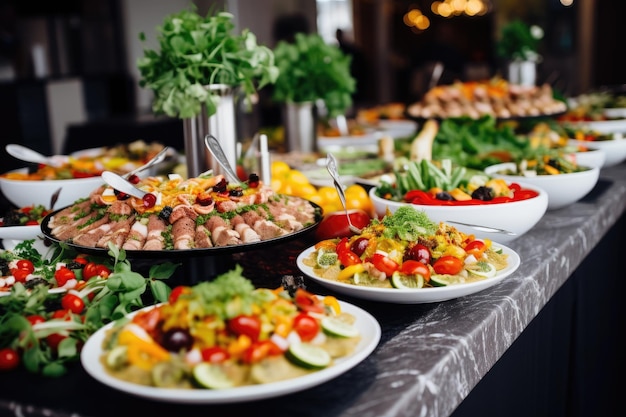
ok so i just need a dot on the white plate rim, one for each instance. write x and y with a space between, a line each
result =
412 296
368 327
20 232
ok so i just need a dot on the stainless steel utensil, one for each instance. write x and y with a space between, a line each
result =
28 155
216 150
481 228
331 166
156 159
121 184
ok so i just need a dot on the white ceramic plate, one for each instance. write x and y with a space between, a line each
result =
321 178
354 141
602 126
417 296
20 232
398 128
56 290
367 325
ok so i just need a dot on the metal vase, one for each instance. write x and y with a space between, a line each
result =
222 125
300 126
522 72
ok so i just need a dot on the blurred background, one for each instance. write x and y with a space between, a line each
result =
68 74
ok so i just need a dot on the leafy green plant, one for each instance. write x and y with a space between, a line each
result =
196 52
311 69
519 41
106 299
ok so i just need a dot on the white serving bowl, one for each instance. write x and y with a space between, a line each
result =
602 126
24 193
517 217
591 158
562 189
614 150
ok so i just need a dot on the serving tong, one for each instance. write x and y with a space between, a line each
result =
333 170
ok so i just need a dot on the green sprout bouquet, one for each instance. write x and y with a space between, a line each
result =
519 41
310 70
196 52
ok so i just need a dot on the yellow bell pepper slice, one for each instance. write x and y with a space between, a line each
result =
349 271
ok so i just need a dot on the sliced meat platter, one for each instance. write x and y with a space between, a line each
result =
185 214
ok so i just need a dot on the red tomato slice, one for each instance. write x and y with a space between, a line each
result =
307 301
413 267
384 264
214 354
448 264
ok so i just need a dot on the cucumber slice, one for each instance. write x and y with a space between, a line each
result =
308 356
334 326
486 270
326 259
117 357
211 376
439 281
406 282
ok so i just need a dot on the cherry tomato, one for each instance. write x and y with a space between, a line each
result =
335 224
246 325
26 265
448 264
20 274
214 354
306 326
73 303
148 319
9 359
476 248
177 292
149 200
54 339
81 260
62 314
35 319
418 252
413 267
384 264
307 301
31 223
92 269
63 274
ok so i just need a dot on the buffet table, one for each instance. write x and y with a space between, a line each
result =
539 343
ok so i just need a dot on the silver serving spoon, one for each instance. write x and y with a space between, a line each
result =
331 166
481 228
156 159
28 155
121 184
216 150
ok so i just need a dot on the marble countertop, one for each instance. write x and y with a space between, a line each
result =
430 355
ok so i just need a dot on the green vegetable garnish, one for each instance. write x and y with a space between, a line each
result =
408 224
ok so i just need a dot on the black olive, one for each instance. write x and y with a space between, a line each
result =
4 267
75 265
177 339
165 213
444 195
236 192
253 180
483 193
32 283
